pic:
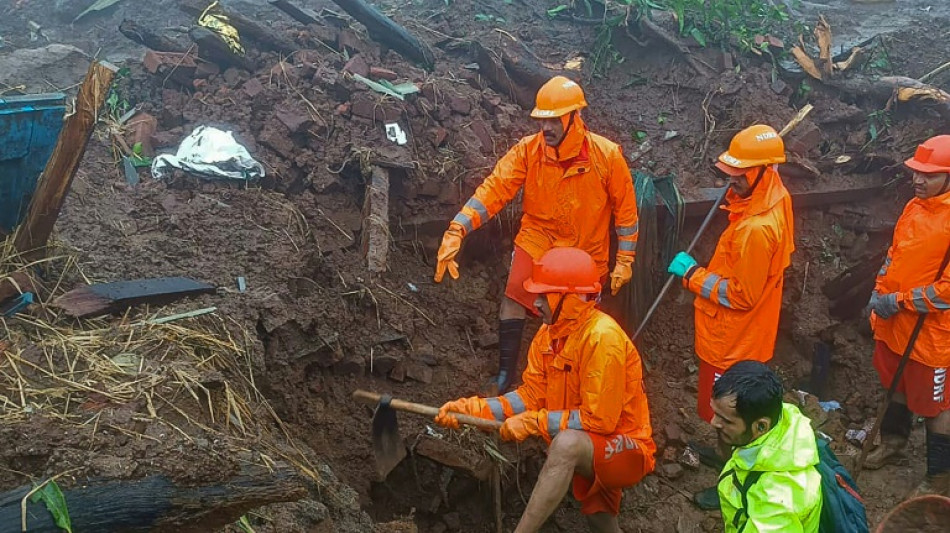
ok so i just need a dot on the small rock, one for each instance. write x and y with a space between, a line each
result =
488 340
439 137
232 76
357 65
297 120
382 73
689 459
459 105
383 364
419 372
671 471
674 435
253 87
398 373
482 132
352 365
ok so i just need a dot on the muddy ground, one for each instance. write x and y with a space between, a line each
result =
322 325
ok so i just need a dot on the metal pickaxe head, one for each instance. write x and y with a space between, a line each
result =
388 446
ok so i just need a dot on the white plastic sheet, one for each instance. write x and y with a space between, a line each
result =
210 152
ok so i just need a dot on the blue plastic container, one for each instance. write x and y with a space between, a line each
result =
29 127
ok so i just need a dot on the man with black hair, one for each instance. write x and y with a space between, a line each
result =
769 483
914 284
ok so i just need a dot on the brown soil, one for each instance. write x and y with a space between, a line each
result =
320 325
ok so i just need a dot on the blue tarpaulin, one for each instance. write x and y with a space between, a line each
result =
29 127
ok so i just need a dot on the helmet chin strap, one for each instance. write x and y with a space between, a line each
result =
946 183
557 309
755 183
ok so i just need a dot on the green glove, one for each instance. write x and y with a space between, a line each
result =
681 264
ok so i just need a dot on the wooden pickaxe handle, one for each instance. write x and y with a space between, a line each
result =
373 398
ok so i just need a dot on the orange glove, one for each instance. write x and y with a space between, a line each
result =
451 242
622 273
473 406
520 427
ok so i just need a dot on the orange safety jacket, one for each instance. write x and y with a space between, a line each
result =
583 373
921 238
570 193
740 292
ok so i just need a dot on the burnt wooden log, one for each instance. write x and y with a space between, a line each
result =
54 183
885 88
105 298
300 14
383 30
247 28
850 291
149 39
513 70
213 48
156 503
374 239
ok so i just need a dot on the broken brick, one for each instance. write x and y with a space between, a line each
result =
382 73
353 365
297 120
805 139
253 87
671 471
277 141
357 65
674 435
419 372
488 340
367 107
143 127
483 134
176 66
383 364
349 41
398 373
206 69
459 105
491 103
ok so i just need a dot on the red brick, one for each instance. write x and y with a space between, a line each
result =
382 73
253 87
143 128
296 119
459 105
179 67
357 65
484 135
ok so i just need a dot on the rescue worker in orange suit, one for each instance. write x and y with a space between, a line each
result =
739 294
908 286
573 182
582 393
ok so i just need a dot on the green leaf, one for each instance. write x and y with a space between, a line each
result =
98 6
555 10
55 503
695 33
137 148
244 524
481 17
872 130
640 136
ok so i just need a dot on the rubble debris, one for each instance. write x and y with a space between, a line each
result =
298 13
266 37
58 175
383 30
454 456
104 298
177 66
519 74
35 69
212 48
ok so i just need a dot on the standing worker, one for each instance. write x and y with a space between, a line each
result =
909 284
582 393
573 182
740 292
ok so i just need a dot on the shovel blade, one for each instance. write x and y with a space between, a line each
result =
388 447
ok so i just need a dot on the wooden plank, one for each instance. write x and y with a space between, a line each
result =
148 38
34 232
704 198
374 240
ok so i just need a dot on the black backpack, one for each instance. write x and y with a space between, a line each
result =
842 509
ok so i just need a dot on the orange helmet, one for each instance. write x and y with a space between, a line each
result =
558 97
564 270
754 146
932 157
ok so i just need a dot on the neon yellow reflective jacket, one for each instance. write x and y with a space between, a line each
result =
787 495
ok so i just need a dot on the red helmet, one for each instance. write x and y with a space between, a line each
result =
558 97
564 270
932 157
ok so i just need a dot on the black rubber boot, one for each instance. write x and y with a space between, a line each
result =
938 454
509 350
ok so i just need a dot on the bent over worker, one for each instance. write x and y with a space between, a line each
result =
740 291
911 284
573 182
582 393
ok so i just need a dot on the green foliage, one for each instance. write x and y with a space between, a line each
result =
639 136
735 22
482 17
244 525
878 122
55 502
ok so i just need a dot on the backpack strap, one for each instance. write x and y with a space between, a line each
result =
743 489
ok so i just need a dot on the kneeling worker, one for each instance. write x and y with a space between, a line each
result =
770 483
582 393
